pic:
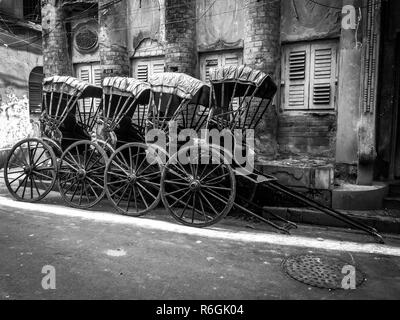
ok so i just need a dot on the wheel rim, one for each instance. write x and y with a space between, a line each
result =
81 175
198 194
30 171
133 178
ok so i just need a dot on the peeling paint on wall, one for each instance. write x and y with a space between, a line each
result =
14 119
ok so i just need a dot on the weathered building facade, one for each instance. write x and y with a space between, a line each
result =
21 70
20 47
334 117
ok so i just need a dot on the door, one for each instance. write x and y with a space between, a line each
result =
91 73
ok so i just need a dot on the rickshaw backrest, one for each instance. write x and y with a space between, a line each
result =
179 97
242 95
122 96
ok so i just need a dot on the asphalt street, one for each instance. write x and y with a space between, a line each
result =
99 255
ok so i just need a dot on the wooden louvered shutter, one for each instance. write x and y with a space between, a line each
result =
142 72
323 76
157 66
297 61
84 73
233 59
97 75
207 63
35 90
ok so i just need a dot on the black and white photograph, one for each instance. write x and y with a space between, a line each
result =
199 155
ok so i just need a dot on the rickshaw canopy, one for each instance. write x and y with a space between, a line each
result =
182 86
243 80
129 87
72 87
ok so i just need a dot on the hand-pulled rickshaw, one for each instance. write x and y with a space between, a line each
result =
95 142
201 193
63 154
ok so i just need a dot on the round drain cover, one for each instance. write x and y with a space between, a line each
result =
319 271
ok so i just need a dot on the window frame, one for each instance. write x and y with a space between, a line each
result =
309 78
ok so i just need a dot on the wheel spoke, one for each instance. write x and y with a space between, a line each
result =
121 169
71 186
209 204
158 173
21 184
135 196
43 175
115 192
17 178
26 183
216 179
177 183
143 198
94 182
97 169
123 193
210 173
211 193
129 200
93 190
175 192
118 175
76 190
178 200
185 207
116 182
217 188
147 191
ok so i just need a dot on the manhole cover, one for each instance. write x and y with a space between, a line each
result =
319 271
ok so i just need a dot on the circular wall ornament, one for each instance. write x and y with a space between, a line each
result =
86 38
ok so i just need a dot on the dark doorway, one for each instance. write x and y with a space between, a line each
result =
395 157
35 91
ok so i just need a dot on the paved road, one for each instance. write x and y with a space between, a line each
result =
98 255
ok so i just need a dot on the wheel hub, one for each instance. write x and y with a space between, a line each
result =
81 174
195 185
28 170
132 179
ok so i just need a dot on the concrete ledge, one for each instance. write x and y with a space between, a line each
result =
303 173
353 197
380 220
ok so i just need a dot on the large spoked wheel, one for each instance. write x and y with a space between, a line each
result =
31 170
132 179
199 193
81 175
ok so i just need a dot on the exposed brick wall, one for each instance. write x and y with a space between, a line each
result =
180 49
307 135
262 51
113 49
56 57
262 35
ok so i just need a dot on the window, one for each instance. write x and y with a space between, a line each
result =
309 73
216 60
35 91
32 10
144 68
